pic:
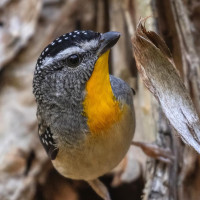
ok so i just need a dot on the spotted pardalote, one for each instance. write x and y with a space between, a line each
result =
85 116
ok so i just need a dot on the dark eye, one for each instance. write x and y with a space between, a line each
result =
73 60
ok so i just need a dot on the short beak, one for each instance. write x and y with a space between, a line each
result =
107 40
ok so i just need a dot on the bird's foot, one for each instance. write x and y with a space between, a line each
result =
154 151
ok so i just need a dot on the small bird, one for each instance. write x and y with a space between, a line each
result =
85 115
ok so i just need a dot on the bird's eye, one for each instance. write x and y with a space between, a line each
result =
73 60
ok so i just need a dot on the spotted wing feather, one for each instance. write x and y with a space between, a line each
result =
46 138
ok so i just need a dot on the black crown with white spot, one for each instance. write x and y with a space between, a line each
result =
65 41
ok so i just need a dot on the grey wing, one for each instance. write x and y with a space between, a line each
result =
121 90
46 138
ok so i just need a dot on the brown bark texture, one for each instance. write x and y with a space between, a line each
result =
159 57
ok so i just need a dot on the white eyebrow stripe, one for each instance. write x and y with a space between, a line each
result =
81 48
61 55
89 45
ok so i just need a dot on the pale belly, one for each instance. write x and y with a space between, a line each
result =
97 154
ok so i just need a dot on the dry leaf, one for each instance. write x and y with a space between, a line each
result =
158 71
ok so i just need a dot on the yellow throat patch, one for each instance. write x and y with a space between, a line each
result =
100 105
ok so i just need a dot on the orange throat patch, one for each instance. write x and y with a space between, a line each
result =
100 105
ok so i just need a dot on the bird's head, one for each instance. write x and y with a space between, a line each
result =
66 64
